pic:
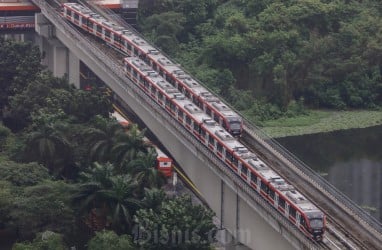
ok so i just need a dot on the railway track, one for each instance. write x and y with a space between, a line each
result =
343 231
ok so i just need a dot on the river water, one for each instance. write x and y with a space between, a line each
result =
351 160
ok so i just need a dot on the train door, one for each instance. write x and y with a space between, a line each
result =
207 138
112 38
96 28
298 216
249 177
286 209
258 184
80 21
276 200
239 166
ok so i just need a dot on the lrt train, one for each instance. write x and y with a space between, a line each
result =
163 162
301 212
272 187
132 44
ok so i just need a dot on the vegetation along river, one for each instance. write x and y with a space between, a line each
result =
351 160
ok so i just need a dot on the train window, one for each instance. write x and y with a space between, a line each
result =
302 221
244 170
107 33
188 120
160 95
219 147
203 133
272 194
76 16
216 118
153 90
180 114
172 107
136 52
128 68
68 12
167 102
235 161
196 127
135 74
99 29
292 212
228 155
281 202
195 100
145 83
264 187
208 111
253 178
211 140
128 46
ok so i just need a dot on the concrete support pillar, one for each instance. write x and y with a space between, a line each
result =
59 65
55 54
74 69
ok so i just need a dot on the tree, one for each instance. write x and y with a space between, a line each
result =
128 146
153 199
23 174
111 241
102 138
20 65
30 99
106 198
178 224
45 206
44 241
49 146
144 171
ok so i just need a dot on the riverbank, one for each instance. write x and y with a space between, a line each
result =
318 121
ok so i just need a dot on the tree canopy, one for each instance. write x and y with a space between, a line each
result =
326 54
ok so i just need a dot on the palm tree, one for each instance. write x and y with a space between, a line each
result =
107 199
144 171
50 147
153 199
121 201
102 139
128 147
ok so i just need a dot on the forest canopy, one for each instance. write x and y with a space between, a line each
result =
267 56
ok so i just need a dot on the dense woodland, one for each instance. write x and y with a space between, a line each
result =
271 58
72 176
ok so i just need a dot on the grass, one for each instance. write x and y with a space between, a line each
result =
318 121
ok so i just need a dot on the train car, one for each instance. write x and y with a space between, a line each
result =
134 45
163 162
272 187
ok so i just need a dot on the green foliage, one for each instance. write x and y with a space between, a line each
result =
144 171
178 224
44 206
109 195
20 62
20 174
326 52
4 133
111 241
44 241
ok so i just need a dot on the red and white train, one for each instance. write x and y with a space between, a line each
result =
163 162
134 45
281 195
